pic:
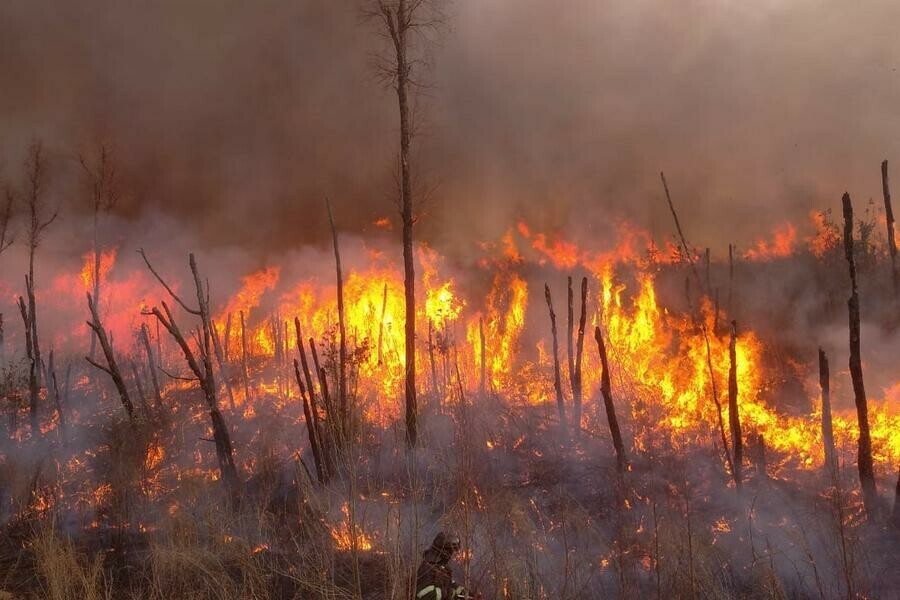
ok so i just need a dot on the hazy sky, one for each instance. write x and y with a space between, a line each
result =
241 116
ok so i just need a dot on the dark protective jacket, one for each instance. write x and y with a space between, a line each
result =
434 581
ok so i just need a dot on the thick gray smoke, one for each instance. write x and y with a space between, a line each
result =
239 117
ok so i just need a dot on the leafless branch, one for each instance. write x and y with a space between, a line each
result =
166 285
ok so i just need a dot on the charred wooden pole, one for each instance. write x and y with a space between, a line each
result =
570 343
734 418
310 425
33 388
151 367
244 375
2 344
111 368
577 389
864 456
342 331
889 218
827 429
557 381
606 390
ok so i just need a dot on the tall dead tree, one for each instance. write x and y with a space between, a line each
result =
202 369
734 418
402 23
101 176
889 219
33 387
342 332
557 381
827 429
577 387
6 240
606 390
39 218
714 392
111 368
864 454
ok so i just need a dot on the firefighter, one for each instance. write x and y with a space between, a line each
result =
434 579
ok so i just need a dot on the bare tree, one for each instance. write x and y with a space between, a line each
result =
39 218
404 23
33 387
6 216
864 454
112 367
606 390
202 369
6 240
557 383
889 221
342 332
101 176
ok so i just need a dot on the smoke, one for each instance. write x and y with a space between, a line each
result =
238 119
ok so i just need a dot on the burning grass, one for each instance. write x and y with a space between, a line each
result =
105 506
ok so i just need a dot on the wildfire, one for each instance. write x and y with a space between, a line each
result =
104 260
347 538
781 246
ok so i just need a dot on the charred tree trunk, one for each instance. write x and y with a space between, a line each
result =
310 425
734 418
577 392
570 343
557 381
730 279
221 436
398 21
864 457
111 368
342 332
313 404
151 367
827 430
606 390
33 388
889 218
